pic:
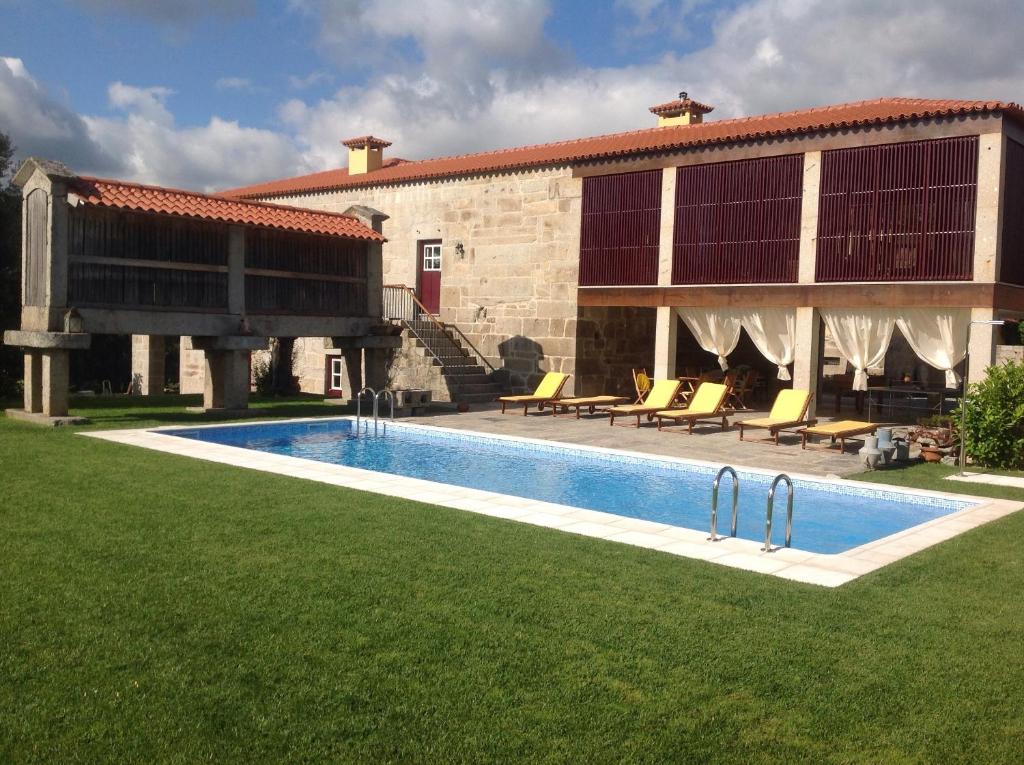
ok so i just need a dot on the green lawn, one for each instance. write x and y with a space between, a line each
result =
155 608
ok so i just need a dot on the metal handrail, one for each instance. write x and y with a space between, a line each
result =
437 324
768 512
359 406
376 399
714 502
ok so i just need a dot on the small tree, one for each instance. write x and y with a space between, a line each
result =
995 418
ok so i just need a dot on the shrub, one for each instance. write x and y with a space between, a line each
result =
263 374
995 418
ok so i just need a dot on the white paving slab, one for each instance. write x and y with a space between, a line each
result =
793 564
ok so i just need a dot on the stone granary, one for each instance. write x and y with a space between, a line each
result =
110 257
750 239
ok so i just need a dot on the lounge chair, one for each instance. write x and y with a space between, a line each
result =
838 431
706 404
662 396
789 411
549 389
586 402
642 383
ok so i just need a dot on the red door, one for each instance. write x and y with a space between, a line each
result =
430 275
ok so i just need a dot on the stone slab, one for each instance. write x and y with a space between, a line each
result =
38 418
226 343
70 341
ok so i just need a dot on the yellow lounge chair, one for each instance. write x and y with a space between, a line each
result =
838 431
588 402
706 404
549 389
789 411
663 394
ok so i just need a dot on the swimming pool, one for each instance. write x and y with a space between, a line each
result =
829 517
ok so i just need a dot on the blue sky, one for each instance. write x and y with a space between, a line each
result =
210 94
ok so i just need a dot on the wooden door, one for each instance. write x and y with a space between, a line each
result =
429 287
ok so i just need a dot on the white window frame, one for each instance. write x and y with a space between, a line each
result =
431 257
336 373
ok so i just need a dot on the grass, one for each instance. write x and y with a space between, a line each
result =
162 609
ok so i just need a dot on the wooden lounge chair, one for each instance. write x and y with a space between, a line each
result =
642 383
586 402
789 411
549 389
662 396
706 404
838 431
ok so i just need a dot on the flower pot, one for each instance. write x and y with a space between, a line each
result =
870 454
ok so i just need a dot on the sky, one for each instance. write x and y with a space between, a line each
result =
211 94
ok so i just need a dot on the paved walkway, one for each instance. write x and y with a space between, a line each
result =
1016 482
708 442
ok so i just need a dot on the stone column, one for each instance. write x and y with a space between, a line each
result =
227 380
809 217
665 331
982 350
987 218
191 366
806 357
376 367
148 364
354 369
33 381
55 379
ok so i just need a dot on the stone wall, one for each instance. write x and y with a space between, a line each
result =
611 343
510 258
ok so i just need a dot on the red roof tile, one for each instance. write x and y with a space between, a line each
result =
652 140
679 104
122 195
366 140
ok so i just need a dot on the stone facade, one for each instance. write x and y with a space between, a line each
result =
611 343
510 258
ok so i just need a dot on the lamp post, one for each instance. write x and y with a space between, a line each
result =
963 400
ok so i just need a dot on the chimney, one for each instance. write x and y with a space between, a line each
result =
365 154
682 111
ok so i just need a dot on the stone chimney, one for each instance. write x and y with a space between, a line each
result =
682 111
365 154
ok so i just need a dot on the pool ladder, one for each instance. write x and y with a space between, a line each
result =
376 396
781 477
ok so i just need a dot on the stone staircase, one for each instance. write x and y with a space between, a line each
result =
466 379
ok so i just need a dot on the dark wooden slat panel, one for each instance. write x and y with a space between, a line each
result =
738 222
899 212
620 228
1011 267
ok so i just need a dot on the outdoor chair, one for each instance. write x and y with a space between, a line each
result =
838 431
789 411
591 403
642 383
549 389
662 396
706 404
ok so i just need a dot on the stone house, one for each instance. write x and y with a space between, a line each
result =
594 256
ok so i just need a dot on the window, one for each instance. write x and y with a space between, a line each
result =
432 257
336 373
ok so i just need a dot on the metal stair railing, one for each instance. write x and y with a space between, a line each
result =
771 505
400 303
714 503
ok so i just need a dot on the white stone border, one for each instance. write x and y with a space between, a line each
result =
798 565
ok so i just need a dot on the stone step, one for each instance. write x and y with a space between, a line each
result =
476 398
469 379
465 370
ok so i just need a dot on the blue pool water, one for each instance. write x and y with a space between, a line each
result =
827 517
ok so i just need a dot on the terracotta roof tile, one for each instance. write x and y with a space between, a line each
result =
652 140
366 140
122 195
679 104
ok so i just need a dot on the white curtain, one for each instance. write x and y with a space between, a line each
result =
717 330
773 331
862 336
938 336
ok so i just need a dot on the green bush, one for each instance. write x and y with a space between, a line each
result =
995 418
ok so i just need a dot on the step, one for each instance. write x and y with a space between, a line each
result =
460 380
476 398
464 370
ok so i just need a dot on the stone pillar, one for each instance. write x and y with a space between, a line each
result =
809 217
354 369
982 348
667 230
55 380
665 329
806 357
33 381
227 380
147 364
191 367
376 367
987 218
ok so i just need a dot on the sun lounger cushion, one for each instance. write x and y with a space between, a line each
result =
661 397
842 428
548 389
707 400
789 406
